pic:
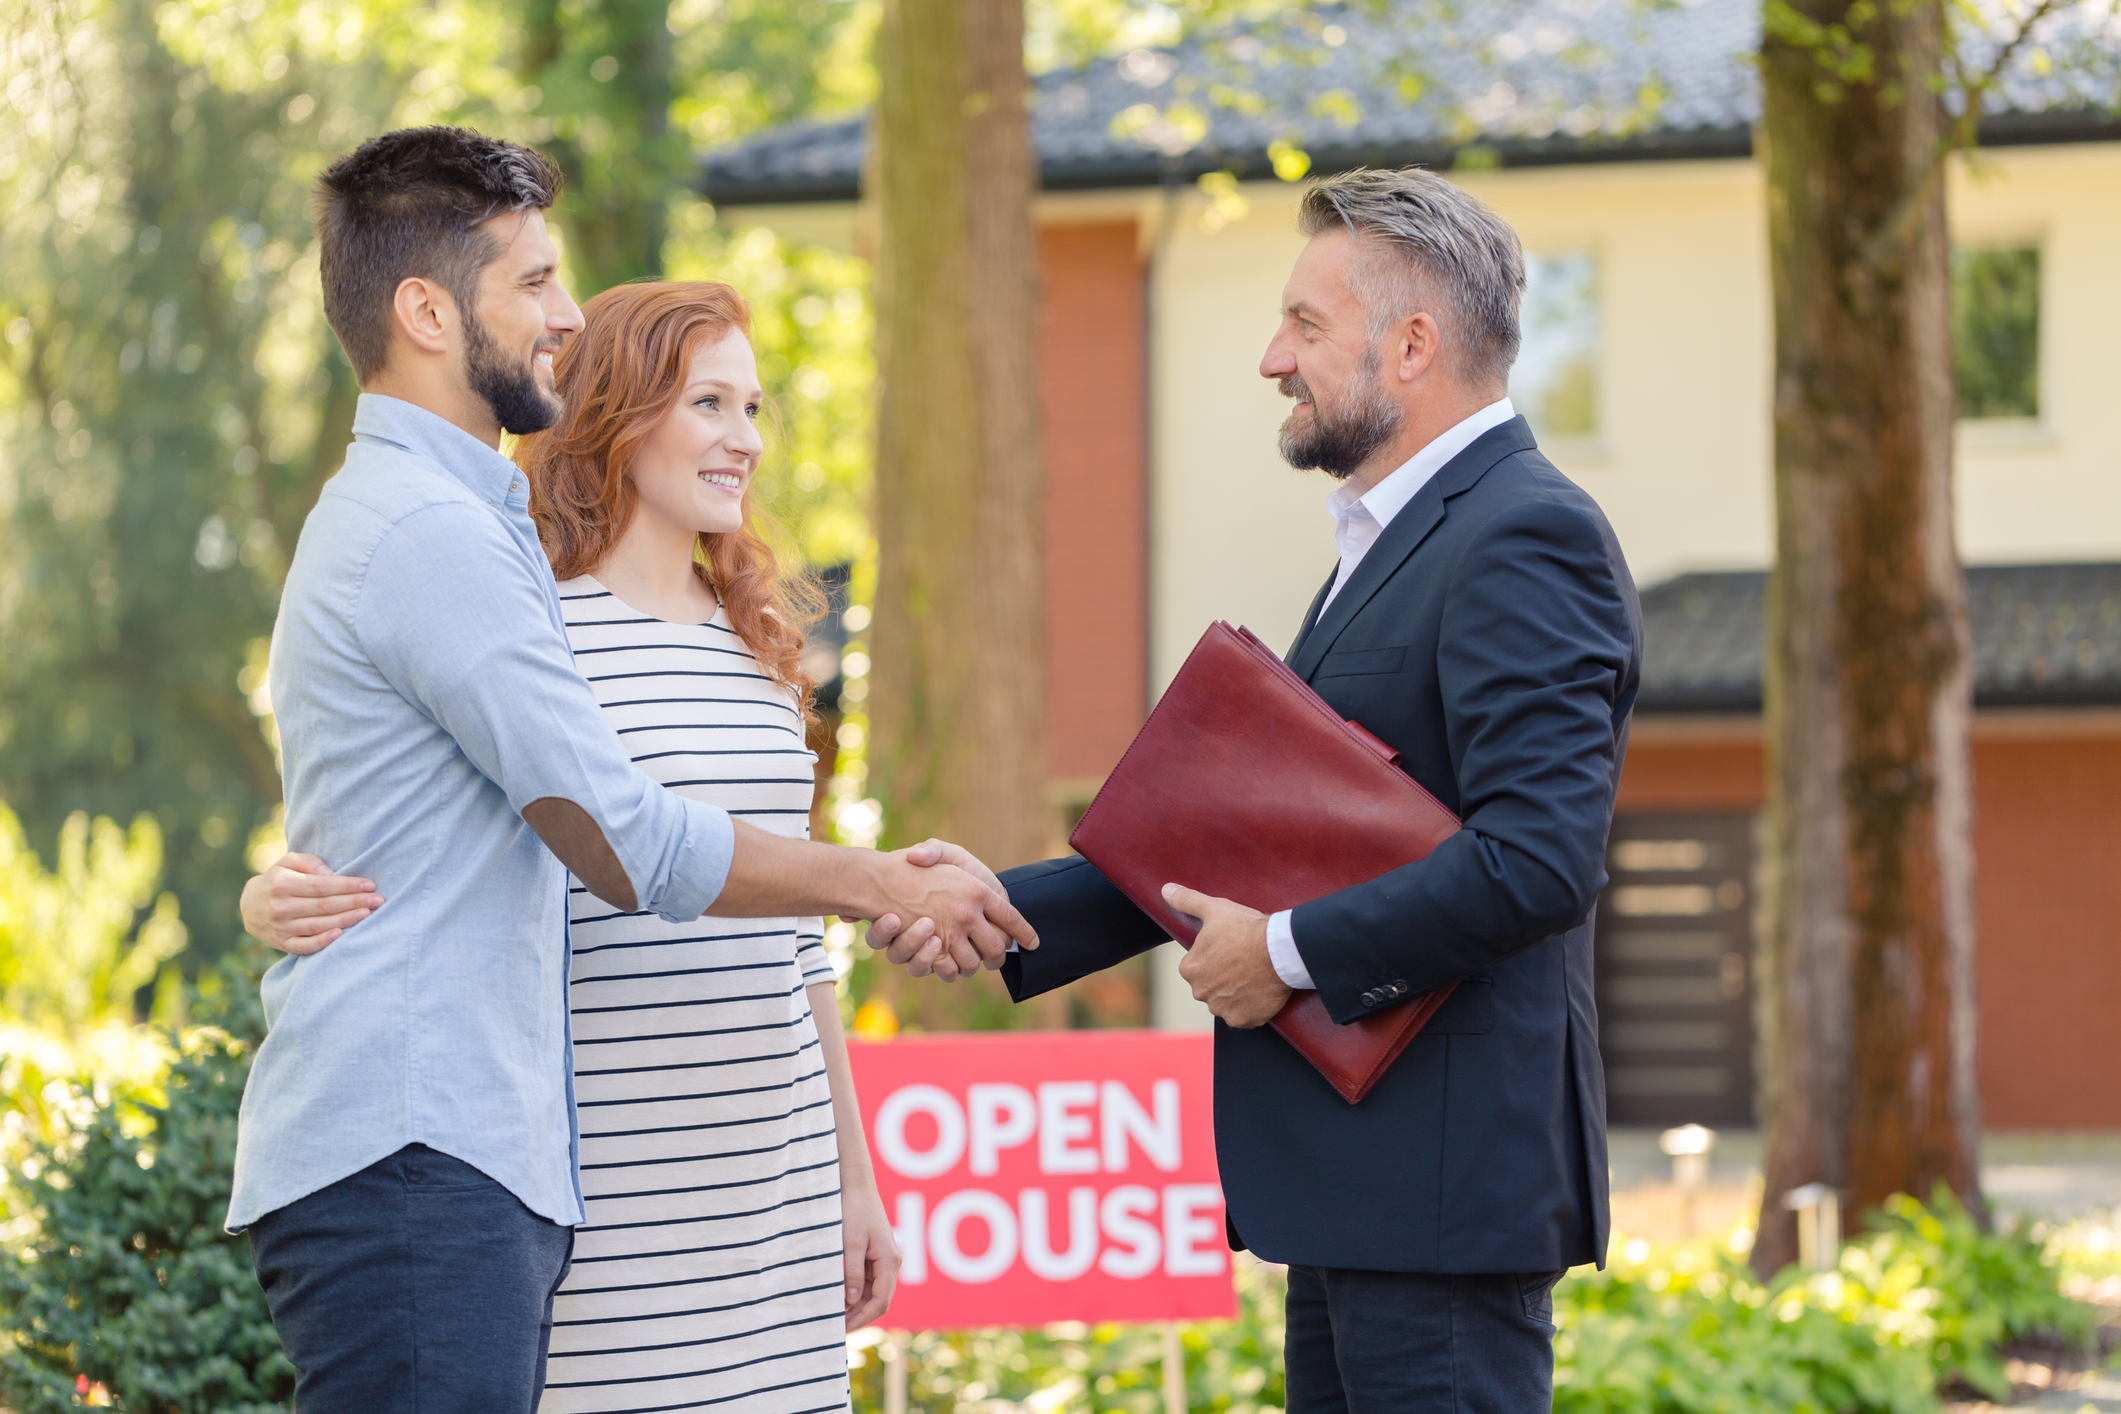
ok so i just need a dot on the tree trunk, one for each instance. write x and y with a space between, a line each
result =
1867 981
958 705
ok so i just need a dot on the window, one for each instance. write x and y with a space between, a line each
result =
1555 382
1996 331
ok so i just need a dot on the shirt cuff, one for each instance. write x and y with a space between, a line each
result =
1281 951
702 866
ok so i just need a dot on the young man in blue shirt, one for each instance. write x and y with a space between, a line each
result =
406 1163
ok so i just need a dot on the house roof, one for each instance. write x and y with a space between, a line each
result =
1530 81
2044 636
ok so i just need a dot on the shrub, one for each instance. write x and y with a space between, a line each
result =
1232 1367
1992 1288
1925 1299
126 1279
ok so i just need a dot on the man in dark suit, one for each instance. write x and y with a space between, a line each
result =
1482 621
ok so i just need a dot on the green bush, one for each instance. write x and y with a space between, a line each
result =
1925 1299
126 1278
1232 1367
1992 1288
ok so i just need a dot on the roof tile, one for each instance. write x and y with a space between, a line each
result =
2044 636
1419 80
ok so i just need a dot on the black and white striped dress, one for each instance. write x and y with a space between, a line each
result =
709 1273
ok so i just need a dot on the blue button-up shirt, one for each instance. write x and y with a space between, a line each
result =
425 694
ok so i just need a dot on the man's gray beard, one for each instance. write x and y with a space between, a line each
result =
511 391
1341 438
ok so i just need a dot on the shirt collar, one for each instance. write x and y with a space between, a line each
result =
487 474
1390 496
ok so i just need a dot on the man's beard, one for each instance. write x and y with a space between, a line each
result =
510 389
1340 437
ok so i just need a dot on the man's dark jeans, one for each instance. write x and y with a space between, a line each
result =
417 1284
1420 1343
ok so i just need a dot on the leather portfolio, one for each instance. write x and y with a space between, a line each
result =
1246 785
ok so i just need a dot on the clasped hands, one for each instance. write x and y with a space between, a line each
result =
964 920
1228 966
299 906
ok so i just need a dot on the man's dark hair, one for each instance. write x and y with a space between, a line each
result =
410 204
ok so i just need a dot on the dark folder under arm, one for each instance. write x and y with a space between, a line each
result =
1246 785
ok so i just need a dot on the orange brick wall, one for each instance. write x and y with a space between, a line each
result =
2047 892
2047 885
1091 349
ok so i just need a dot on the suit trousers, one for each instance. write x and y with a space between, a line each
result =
417 1284
1419 1342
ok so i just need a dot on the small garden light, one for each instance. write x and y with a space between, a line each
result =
1689 1146
1818 1209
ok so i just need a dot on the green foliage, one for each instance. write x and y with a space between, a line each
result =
1925 1299
73 949
1232 1367
168 406
1996 331
1992 1288
126 1279
1704 1336
77 944
753 63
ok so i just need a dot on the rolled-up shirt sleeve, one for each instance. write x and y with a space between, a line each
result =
455 617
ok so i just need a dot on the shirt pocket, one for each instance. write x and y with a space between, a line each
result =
1360 661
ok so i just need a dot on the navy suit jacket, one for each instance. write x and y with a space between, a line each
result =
1493 636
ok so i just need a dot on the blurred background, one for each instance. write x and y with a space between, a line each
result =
171 401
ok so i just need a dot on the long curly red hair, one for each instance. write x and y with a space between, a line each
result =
619 378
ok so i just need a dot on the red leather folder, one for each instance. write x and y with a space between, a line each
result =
1244 784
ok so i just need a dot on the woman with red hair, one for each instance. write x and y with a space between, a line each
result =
735 1230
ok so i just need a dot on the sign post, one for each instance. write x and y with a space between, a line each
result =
1048 1176
1174 1370
894 1352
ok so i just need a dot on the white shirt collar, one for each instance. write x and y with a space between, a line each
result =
1390 496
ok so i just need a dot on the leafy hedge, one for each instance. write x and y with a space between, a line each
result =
1923 1300
126 1279
1232 1367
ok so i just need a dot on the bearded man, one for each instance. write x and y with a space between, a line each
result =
1481 620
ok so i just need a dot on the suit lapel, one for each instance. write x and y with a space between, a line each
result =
1413 525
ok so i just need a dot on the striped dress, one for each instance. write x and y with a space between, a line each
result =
709 1273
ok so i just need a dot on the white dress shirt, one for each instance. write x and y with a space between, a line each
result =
1359 518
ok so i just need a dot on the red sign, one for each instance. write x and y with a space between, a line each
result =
1048 1176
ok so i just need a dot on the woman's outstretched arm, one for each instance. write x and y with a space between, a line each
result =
871 1250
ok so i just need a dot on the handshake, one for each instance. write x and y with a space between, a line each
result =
960 916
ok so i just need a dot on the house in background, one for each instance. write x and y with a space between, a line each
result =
1164 239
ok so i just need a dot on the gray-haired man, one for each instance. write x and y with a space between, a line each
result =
1482 621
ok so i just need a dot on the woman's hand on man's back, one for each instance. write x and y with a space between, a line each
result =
299 906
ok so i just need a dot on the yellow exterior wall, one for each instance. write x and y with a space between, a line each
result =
2051 489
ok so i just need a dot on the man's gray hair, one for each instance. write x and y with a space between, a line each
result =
1434 247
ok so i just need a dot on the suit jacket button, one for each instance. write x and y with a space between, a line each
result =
1370 998
1399 989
